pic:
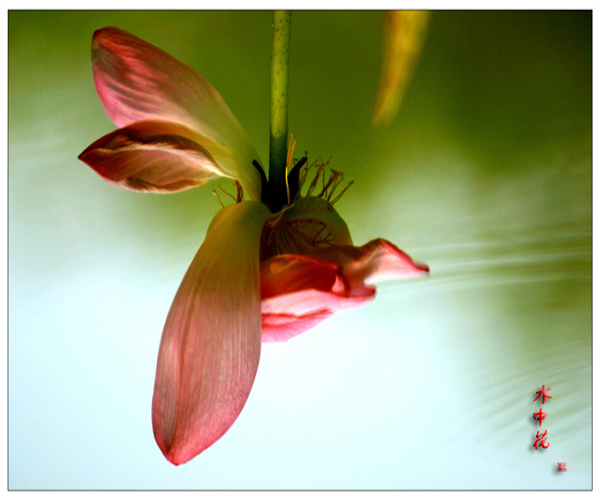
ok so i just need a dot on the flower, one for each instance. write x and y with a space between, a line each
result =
263 273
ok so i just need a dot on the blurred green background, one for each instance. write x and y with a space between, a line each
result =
485 175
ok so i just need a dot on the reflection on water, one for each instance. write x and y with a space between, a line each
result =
513 253
434 373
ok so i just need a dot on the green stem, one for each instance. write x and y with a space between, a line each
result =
279 104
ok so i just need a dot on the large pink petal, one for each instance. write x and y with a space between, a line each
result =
157 156
137 81
300 291
210 346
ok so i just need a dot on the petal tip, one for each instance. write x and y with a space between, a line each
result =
105 33
424 268
175 455
417 267
85 153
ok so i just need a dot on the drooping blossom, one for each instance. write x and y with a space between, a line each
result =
263 273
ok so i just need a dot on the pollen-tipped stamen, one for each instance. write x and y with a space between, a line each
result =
328 186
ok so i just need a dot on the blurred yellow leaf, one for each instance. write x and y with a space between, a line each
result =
404 35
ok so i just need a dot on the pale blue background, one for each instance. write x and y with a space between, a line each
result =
485 175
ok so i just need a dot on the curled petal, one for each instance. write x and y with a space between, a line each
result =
300 291
137 81
379 260
210 346
157 156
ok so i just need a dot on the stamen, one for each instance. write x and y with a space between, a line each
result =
240 192
333 177
238 198
214 191
302 231
328 186
331 202
320 168
226 193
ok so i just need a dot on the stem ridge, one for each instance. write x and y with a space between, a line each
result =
279 106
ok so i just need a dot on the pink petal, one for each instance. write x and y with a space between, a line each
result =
379 260
300 291
282 327
210 346
157 156
137 81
